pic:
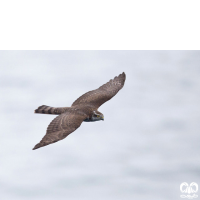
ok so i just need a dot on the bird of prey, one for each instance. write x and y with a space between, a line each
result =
85 108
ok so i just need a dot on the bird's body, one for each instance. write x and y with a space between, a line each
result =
85 108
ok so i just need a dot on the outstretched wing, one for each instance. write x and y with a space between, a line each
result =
102 94
61 127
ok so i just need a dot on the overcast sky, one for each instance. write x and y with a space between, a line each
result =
146 147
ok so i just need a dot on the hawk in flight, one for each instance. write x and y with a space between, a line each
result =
85 108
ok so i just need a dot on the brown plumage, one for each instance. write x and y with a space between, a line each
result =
85 108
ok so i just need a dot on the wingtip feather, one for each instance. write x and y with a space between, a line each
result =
37 146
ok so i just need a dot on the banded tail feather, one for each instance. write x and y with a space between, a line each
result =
51 110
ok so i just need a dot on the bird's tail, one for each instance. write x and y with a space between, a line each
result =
51 110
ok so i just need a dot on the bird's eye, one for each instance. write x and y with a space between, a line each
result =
97 115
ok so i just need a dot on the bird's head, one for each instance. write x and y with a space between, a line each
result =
96 116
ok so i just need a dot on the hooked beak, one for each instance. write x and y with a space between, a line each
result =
102 118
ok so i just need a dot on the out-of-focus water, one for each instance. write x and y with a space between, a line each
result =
146 147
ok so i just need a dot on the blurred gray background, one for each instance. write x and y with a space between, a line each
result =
146 147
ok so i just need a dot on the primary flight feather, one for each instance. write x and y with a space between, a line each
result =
85 108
